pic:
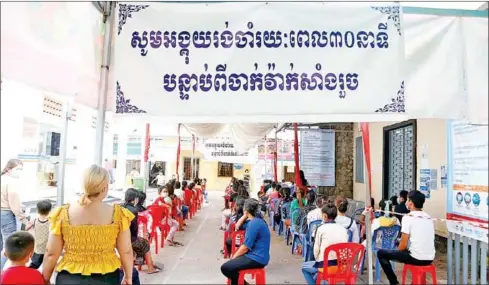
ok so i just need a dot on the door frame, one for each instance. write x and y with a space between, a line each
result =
386 149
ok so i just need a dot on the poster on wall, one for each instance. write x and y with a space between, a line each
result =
285 149
317 159
257 59
467 198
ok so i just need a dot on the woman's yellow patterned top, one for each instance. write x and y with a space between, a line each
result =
89 249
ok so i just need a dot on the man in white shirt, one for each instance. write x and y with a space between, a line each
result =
418 230
327 234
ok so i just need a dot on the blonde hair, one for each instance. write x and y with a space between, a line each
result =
95 181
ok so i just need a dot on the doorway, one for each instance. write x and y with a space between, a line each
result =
399 165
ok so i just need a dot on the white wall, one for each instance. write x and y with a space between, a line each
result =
430 132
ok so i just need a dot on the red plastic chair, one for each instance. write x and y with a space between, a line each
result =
257 274
234 236
143 222
345 270
158 213
418 274
178 205
226 236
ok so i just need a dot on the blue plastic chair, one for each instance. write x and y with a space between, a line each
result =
289 231
388 238
298 236
309 240
284 214
273 204
350 235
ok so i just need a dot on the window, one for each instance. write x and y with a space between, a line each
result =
359 164
187 168
225 169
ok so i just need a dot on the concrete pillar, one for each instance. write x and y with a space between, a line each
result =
120 172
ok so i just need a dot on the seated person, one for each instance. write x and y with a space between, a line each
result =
235 219
310 206
140 246
226 213
417 231
164 200
274 195
283 209
364 214
327 234
342 219
401 207
298 203
255 250
316 214
386 220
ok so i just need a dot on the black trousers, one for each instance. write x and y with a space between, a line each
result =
66 278
36 260
229 243
231 268
386 256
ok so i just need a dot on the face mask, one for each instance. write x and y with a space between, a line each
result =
399 201
165 195
15 173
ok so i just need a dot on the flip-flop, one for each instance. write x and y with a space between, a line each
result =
177 243
157 270
158 266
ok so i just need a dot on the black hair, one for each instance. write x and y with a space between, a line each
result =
178 185
242 191
417 198
131 195
240 201
330 210
142 198
274 185
383 203
44 207
342 204
19 245
320 202
403 194
372 202
310 198
277 187
184 184
252 206
191 186
162 187
393 200
303 178
286 193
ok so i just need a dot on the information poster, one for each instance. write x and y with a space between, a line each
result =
317 159
424 182
468 179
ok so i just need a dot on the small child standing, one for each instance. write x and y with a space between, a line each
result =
19 248
41 233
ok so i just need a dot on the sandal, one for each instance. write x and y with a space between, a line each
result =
157 270
177 243
158 266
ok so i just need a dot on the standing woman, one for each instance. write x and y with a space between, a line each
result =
255 250
10 202
89 232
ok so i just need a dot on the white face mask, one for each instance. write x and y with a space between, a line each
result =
165 195
15 173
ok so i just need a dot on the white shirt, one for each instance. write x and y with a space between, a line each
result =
179 193
314 215
345 222
160 179
421 233
328 234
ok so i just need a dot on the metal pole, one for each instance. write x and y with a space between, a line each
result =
62 155
368 227
108 20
